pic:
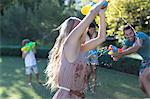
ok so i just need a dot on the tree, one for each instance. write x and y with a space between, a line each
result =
121 12
134 12
19 22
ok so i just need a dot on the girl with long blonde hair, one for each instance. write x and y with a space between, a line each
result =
54 54
67 70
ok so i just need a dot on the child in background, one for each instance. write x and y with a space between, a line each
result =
30 62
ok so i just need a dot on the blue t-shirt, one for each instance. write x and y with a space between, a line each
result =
144 51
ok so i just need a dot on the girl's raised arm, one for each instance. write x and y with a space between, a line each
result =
73 42
91 44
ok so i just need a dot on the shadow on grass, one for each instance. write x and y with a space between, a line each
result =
42 91
116 85
13 82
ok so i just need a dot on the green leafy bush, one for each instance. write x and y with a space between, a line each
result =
125 64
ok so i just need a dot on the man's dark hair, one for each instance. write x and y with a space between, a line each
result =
127 27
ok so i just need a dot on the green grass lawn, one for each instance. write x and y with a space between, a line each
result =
111 84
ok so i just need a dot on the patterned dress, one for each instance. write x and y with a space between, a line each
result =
72 76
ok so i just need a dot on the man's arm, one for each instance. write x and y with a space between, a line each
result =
136 46
126 51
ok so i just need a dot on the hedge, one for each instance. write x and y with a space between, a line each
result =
125 64
15 51
128 65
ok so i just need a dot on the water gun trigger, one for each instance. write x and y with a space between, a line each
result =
120 50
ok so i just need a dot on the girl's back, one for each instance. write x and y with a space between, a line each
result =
72 76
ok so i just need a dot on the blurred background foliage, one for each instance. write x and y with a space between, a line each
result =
133 12
35 19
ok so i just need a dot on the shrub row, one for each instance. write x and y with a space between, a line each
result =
15 51
125 64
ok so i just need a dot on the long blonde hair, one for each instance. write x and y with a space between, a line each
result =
52 69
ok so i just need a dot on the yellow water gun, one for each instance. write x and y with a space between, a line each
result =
29 46
85 10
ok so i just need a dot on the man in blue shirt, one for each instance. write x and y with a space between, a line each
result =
138 42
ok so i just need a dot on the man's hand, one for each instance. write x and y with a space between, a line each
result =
116 56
